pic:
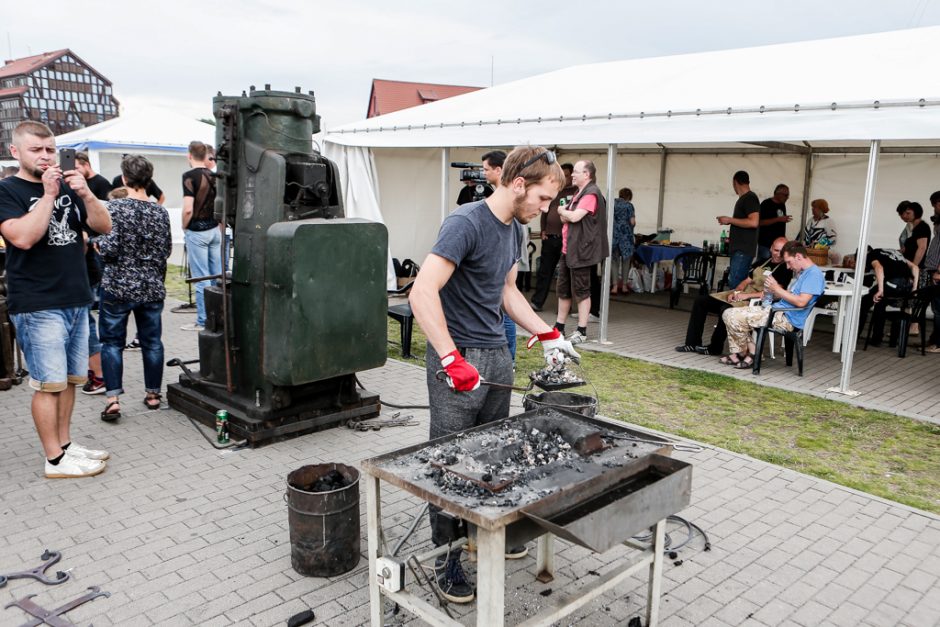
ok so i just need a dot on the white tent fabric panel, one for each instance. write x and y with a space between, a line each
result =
884 67
142 128
411 189
698 189
361 190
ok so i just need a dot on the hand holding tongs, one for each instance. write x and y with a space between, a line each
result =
441 375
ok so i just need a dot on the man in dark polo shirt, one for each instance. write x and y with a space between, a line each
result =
743 223
773 220
550 226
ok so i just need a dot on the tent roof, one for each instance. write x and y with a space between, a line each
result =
834 90
142 128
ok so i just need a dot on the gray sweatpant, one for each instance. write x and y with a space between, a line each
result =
457 411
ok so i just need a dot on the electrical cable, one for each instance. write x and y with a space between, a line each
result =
691 528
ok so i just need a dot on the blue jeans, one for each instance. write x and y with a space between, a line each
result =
204 250
738 269
113 315
55 344
510 328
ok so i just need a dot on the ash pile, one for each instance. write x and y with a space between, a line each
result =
517 461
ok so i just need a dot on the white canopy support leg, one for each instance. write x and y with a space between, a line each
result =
445 184
807 182
605 278
660 206
851 329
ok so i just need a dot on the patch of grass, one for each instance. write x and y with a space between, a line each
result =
175 282
875 452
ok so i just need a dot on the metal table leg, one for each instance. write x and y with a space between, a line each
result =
545 558
374 515
656 575
491 576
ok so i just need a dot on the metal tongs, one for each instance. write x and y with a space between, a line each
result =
441 375
676 446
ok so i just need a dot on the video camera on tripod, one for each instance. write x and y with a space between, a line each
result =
473 172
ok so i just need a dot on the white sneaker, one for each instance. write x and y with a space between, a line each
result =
593 318
70 467
192 327
576 338
77 450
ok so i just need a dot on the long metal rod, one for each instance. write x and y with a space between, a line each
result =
807 181
445 183
225 329
725 111
605 279
750 150
660 205
851 329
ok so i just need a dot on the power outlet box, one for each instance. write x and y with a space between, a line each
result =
390 573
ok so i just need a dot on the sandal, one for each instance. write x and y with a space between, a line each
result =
728 361
747 362
110 416
153 401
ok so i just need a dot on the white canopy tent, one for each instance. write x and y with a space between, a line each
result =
837 96
161 135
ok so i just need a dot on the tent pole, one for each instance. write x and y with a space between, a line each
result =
662 187
605 277
807 181
445 183
851 329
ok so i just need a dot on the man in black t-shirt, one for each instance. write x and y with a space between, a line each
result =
43 211
153 190
743 227
773 220
100 187
200 228
894 276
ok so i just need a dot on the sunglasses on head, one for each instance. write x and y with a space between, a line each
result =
548 155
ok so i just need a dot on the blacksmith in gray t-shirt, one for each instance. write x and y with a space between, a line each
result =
469 274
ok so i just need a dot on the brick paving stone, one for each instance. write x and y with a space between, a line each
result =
811 614
206 543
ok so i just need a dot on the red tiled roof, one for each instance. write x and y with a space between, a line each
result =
13 91
26 65
389 96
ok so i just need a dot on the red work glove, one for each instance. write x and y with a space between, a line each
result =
554 342
461 375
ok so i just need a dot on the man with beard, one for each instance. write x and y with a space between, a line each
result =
464 282
42 213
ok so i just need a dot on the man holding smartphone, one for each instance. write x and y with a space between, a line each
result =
43 210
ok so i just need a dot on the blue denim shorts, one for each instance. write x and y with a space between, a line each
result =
55 344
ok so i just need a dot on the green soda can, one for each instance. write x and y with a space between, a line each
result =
221 426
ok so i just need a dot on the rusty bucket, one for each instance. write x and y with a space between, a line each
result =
578 403
324 525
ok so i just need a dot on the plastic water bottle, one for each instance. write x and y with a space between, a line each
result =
768 299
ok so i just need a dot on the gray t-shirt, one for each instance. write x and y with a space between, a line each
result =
744 240
484 251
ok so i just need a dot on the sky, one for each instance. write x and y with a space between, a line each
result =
179 54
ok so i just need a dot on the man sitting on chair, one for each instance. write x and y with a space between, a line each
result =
717 302
792 311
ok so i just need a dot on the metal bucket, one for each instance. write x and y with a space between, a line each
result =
324 526
584 405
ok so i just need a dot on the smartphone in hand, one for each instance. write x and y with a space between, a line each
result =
66 159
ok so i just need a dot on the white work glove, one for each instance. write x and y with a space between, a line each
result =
556 347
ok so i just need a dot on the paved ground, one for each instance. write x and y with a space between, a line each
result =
182 534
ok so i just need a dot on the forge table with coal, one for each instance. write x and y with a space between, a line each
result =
540 474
